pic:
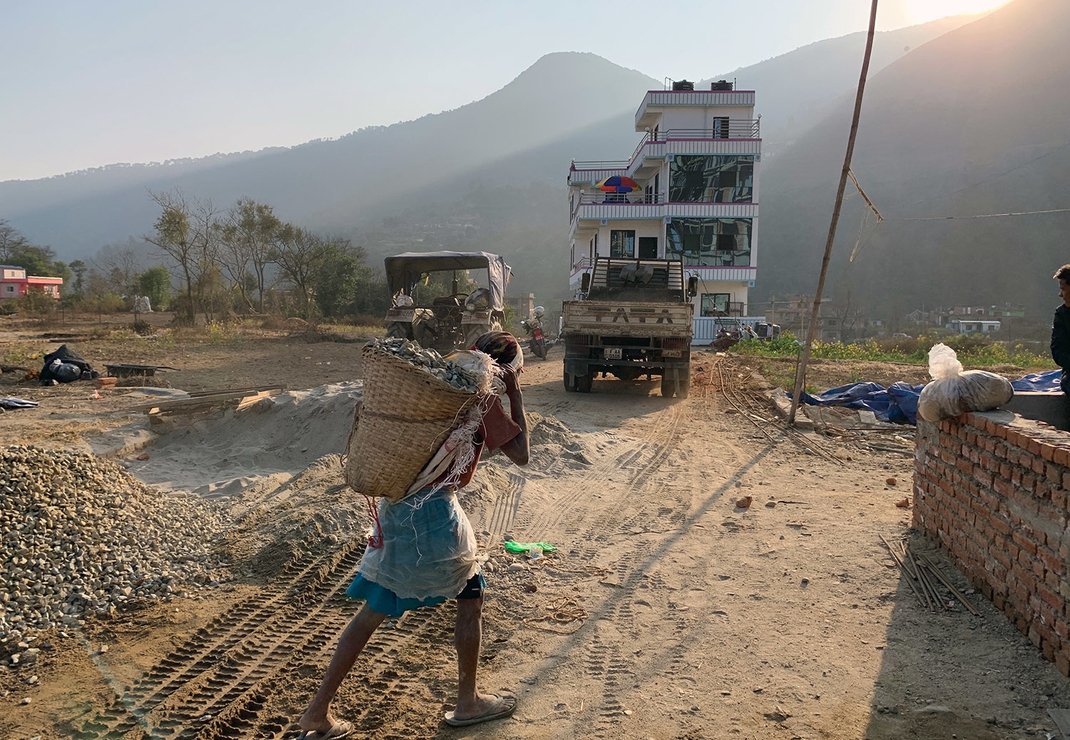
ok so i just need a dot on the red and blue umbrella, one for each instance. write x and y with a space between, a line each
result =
617 184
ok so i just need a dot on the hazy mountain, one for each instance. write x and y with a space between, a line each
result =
490 175
971 123
794 90
331 184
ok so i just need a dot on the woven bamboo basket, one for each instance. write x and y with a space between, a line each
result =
406 416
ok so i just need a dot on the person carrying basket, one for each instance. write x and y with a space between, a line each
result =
425 553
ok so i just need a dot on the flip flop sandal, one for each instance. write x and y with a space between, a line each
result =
500 709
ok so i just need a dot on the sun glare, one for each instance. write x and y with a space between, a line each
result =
921 11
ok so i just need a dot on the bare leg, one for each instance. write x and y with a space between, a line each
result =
468 636
352 641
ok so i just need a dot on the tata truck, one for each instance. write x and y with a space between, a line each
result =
632 317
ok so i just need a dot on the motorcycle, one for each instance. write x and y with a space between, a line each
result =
537 341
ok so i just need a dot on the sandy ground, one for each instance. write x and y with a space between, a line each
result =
667 612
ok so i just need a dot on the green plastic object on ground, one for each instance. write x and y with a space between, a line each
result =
526 546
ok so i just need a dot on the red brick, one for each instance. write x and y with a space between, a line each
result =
1054 474
1033 446
1025 542
1039 466
1058 496
1047 451
1062 456
1052 599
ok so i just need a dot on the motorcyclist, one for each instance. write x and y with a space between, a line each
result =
533 326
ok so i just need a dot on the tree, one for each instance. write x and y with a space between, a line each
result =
186 232
337 280
248 237
16 250
11 241
155 283
79 269
300 256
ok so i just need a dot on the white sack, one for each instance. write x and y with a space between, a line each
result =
953 392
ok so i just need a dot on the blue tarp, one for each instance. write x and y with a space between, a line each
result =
899 403
1039 382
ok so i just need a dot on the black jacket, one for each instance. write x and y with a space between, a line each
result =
1060 340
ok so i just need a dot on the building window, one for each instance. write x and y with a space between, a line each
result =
720 127
711 179
715 304
622 244
709 242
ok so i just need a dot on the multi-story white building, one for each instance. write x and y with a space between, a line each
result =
696 168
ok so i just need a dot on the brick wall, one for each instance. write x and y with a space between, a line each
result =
991 490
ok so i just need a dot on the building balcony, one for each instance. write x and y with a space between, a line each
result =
590 210
733 136
657 100
722 273
705 273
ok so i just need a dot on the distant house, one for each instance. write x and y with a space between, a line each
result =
14 283
975 326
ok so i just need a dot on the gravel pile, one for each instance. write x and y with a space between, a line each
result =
81 536
464 371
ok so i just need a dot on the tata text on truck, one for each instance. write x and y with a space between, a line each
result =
633 318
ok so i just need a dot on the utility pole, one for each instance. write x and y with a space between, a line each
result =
800 373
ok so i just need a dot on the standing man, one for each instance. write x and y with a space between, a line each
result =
426 554
1060 327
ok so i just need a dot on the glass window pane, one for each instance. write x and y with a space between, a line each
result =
715 242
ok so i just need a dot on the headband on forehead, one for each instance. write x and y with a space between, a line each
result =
502 347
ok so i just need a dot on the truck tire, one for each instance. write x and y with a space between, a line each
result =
683 385
475 331
668 384
580 383
400 330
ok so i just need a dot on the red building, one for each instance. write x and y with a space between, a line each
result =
15 283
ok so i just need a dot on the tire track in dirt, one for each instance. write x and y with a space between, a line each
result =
215 685
506 505
640 460
211 645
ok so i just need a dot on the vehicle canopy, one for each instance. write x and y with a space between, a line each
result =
406 269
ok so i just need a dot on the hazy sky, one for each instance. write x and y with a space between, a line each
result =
84 84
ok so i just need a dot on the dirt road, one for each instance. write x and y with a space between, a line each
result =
667 612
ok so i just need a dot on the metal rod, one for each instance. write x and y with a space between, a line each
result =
943 579
902 568
800 377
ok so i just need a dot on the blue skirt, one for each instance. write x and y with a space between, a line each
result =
385 601
428 555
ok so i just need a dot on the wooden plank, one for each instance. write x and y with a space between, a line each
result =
207 400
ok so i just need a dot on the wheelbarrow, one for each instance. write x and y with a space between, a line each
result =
131 371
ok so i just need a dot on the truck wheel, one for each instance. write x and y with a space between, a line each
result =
683 386
583 382
399 330
569 382
627 373
668 384
476 331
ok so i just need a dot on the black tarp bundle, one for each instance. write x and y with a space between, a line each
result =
65 366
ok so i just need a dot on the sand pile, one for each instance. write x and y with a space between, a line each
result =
81 536
221 457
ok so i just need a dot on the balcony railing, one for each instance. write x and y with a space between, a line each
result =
599 164
733 128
